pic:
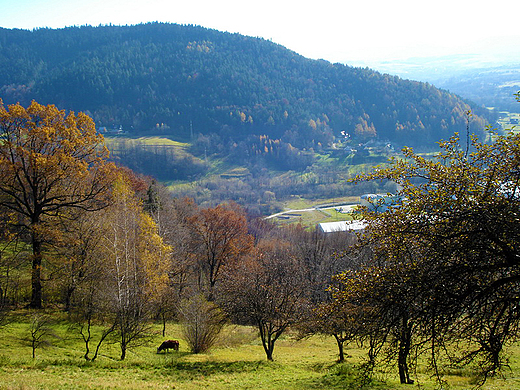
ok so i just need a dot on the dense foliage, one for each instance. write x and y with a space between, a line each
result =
446 258
185 80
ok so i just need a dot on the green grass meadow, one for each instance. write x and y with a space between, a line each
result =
150 141
236 362
311 217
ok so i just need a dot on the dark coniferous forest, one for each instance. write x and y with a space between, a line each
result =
184 81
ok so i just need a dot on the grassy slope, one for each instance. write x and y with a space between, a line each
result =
237 362
151 141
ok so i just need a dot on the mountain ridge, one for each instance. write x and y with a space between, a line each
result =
184 80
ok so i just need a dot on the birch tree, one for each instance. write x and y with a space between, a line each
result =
136 261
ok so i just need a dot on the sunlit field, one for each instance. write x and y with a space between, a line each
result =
236 362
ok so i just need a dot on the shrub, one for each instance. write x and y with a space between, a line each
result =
201 322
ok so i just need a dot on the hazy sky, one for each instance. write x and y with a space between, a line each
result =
361 31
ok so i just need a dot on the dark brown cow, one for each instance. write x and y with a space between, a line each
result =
168 344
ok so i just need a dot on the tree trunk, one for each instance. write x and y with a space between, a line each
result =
269 346
36 297
68 297
123 351
267 341
404 351
340 348
269 355
103 337
163 317
86 339
403 368
87 350
269 350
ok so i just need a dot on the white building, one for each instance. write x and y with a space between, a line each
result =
342 226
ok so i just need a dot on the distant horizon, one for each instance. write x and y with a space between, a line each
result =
359 33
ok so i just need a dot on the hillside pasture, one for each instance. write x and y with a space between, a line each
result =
236 362
311 217
160 157
150 141
308 213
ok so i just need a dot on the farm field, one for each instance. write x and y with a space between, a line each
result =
313 215
509 122
236 362
150 141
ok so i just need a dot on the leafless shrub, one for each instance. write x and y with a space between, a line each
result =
40 333
201 322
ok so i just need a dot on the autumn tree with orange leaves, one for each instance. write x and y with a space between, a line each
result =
220 236
52 164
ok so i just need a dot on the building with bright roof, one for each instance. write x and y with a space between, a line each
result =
342 226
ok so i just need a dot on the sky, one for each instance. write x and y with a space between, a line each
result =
361 32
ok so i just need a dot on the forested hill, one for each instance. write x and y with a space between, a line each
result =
186 80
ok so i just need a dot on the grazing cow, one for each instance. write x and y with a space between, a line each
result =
168 344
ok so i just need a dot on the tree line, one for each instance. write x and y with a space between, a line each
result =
435 276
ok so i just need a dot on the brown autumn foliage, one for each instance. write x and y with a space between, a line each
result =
219 237
51 163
